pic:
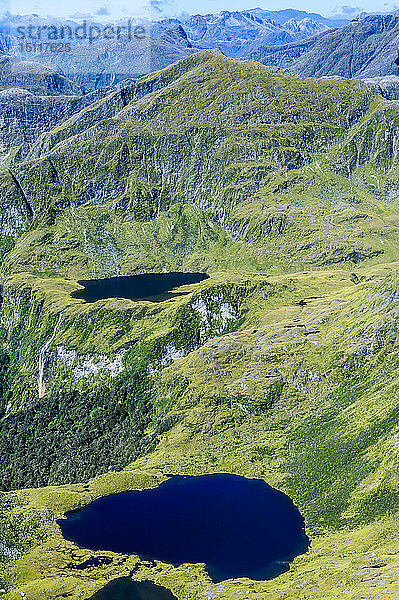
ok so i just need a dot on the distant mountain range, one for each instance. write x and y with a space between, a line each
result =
239 32
305 43
104 62
364 47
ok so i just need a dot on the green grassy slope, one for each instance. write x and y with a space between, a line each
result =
158 175
282 365
304 395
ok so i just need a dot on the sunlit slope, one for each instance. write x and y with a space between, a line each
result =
244 157
303 394
282 365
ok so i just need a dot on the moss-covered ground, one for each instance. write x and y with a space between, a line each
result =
283 365
304 395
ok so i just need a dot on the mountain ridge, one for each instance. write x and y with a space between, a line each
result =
366 47
104 62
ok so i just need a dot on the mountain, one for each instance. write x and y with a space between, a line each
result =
34 77
90 64
366 47
24 115
107 62
280 366
103 62
33 98
290 14
236 33
149 116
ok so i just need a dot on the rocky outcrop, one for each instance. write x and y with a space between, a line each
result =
387 86
25 115
34 76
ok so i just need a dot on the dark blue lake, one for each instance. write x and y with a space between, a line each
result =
238 527
154 287
124 588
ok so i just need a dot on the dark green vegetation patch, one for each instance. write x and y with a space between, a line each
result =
72 436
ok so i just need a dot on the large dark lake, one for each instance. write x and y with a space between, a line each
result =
154 287
124 588
238 527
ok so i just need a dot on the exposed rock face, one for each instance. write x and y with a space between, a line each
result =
24 115
178 36
33 76
387 86
169 45
33 99
365 47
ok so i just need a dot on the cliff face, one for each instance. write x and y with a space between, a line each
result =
34 77
33 99
24 115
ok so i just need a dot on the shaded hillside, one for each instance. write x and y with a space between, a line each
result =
24 115
365 47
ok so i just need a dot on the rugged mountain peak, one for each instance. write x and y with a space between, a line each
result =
177 35
201 132
365 47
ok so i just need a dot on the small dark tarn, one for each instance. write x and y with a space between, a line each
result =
238 527
154 287
124 588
